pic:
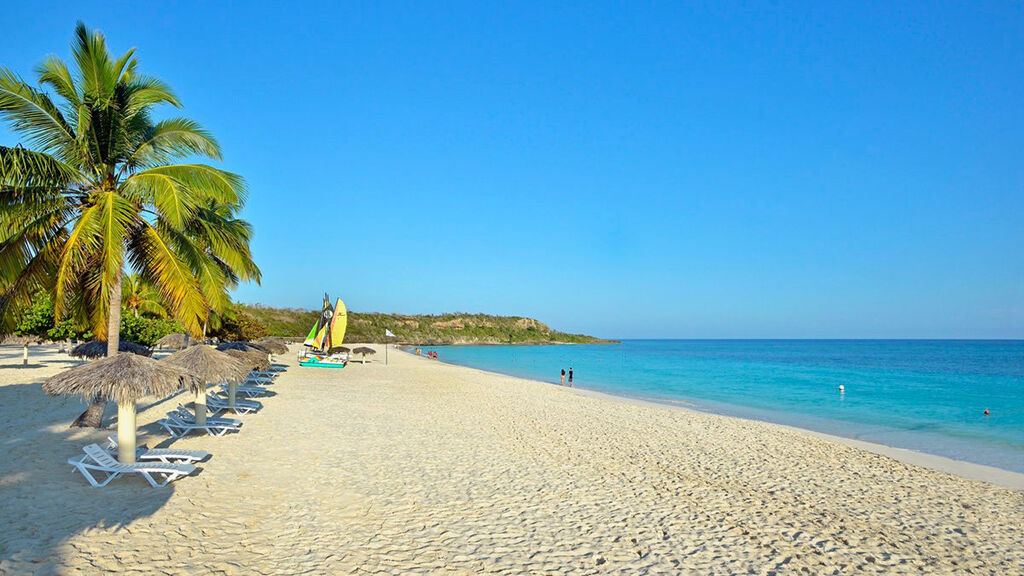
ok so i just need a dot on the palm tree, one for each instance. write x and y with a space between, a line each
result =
140 297
101 187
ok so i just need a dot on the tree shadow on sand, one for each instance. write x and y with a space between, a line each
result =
45 505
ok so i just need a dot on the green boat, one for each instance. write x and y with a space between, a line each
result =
326 337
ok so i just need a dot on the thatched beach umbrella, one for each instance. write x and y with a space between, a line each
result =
208 365
177 341
253 359
98 349
273 345
247 347
364 350
124 378
236 345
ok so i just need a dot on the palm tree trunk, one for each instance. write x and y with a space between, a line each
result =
93 415
114 317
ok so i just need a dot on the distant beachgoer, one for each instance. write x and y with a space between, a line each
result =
563 376
570 376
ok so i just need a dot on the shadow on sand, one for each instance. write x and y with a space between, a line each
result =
44 504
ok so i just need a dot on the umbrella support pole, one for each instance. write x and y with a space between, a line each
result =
126 432
232 392
201 406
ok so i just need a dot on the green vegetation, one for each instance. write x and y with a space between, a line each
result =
98 189
421 329
288 322
239 324
147 331
38 320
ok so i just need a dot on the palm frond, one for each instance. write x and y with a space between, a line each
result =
174 138
177 190
32 114
21 169
156 261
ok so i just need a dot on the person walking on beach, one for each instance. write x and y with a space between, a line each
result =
563 376
570 376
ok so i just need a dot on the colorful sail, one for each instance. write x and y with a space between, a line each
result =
338 325
320 331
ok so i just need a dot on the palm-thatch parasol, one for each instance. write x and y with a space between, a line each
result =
274 345
253 359
124 378
236 345
98 349
364 350
208 365
177 341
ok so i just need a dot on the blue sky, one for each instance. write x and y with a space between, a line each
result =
623 169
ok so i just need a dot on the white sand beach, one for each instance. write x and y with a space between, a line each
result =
420 467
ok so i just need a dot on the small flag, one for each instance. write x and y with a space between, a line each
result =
389 333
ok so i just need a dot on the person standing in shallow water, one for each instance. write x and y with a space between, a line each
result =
570 376
563 376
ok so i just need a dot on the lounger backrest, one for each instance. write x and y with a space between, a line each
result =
101 456
175 419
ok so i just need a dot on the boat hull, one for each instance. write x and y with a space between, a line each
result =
316 362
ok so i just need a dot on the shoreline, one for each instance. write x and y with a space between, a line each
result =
417 467
961 468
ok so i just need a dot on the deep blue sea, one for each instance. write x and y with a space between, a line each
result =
926 395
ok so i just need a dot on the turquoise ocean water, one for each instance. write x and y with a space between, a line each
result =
926 395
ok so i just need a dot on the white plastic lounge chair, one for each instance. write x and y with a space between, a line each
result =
218 404
98 461
249 391
177 427
166 455
186 415
259 378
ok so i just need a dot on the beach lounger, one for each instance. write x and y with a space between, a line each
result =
258 380
249 391
218 404
185 414
98 461
166 455
178 427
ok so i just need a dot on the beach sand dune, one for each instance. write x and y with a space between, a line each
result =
424 468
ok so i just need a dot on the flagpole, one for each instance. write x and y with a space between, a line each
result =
385 346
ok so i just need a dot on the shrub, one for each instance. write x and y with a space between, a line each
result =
147 331
240 325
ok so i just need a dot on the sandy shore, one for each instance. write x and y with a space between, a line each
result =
422 467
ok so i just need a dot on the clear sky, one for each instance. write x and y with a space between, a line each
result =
623 169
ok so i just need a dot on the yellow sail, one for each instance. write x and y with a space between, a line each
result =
338 324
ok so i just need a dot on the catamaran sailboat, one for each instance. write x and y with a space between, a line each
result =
325 337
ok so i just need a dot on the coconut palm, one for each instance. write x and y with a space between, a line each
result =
100 187
140 297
